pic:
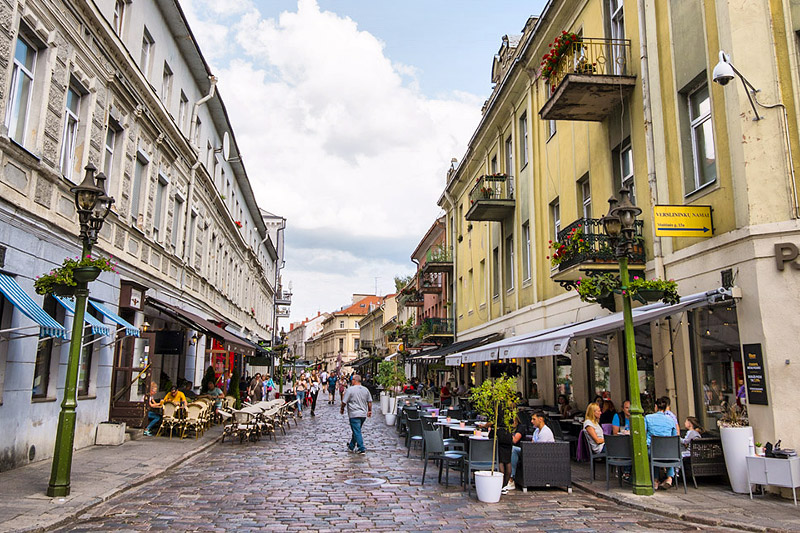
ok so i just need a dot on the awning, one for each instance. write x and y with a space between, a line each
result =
556 341
130 329
98 328
229 341
437 353
256 348
48 327
489 352
359 362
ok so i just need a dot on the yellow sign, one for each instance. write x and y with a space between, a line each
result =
683 221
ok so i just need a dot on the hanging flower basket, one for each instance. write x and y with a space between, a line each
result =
61 281
62 289
651 295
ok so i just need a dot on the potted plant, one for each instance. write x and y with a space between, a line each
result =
496 400
558 49
572 245
652 290
61 281
736 435
391 376
599 288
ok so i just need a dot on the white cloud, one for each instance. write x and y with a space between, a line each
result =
335 136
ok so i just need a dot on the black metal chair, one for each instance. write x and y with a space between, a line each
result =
592 455
414 434
665 452
479 458
618 453
446 455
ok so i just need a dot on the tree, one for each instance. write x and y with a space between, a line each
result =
496 400
402 281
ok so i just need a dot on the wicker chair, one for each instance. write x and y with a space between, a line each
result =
544 464
706 458
194 420
168 419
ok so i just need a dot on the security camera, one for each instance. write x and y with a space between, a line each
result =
723 71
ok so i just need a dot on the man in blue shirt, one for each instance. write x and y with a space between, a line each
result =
659 424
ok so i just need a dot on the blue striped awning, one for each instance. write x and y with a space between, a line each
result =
48 327
98 328
130 329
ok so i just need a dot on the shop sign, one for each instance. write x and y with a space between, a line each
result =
754 374
786 252
683 221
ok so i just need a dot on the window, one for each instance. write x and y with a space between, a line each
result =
493 166
509 156
509 263
482 284
341 345
523 137
356 344
468 298
183 106
148 48
526 251
617 18
190 236
139 180
198 126
555 218
626 171
495 273
702 135
119 16
166 84
87 350
585 194
158 210
177 212
69 139
44 353
108 151
341 324
19 102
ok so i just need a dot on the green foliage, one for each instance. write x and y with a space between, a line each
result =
573 244
62 275
668 287
597 287
391 375
401 281
496 399
234 391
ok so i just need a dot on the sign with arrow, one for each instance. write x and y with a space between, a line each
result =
683 221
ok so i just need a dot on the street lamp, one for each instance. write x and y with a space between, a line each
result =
620 226
93 206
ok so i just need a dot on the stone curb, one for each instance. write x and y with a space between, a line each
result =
688 517
116 492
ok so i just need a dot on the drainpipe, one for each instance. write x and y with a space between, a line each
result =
196 108
652 183
452 279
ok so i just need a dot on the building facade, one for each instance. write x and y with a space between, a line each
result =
122 86
631 102
339 343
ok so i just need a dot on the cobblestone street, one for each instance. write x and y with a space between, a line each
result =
299 484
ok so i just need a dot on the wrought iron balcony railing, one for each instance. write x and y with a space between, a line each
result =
431 283
491 198
439 326
412 299
584 243
603 57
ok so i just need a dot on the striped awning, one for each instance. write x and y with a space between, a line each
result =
48 327
130 329
98 328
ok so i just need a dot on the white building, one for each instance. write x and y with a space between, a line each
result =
124 86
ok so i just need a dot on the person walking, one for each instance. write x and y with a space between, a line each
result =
332 389
300 391
358 401
314 392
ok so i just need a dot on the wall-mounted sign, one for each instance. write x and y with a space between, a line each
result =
683 221
754 374
786 252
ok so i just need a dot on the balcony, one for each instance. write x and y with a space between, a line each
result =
589 250
431 284
413 299
438 260
284 298
591 79
433 330
492 198
282 311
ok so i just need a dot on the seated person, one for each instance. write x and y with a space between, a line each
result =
592 428
154 411
176 397
609 411
541 432
445 395
659 424
693 431
622 420
187 391
216 393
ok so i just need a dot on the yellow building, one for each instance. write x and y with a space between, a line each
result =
549 152
339 342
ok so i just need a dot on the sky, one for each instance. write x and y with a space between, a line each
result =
347 114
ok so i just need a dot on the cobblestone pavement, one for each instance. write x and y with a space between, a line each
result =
298 484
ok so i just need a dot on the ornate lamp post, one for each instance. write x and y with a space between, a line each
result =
93 206
618 224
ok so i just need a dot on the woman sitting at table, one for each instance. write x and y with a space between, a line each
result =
592 428
609 410
505 445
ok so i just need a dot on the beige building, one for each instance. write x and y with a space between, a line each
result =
339 343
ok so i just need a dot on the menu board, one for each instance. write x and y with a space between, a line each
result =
754 374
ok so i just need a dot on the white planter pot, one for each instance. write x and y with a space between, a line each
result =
391 418
392 406
735 445
488 486
384 402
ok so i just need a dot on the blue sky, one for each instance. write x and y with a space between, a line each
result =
347 113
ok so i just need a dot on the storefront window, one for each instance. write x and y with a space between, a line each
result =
717 362
598 359
533 383
564 376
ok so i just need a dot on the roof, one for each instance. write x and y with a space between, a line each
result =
436 230
361 307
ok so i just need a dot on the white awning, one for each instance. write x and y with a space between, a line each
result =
453 360
554 341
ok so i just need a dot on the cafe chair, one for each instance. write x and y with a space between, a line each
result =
168 419
414 434
619 453
194 419
592 456
446 455
479 458
665 452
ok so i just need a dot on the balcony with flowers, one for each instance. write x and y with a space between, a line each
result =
586 78
438 260
583 247
431 284
491 198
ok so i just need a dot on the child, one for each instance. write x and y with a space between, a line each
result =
693 431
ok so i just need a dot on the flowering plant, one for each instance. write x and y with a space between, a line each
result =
557 50
598 287
62 275
238 223
668 287
573 244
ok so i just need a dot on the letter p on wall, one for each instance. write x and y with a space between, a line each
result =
786 253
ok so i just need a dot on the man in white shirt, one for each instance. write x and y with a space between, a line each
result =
541 433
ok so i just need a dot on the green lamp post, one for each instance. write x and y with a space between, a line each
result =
93 206
619 225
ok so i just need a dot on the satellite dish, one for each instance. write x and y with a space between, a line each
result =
226 146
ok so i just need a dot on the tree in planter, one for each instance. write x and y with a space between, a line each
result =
495 399
209 377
